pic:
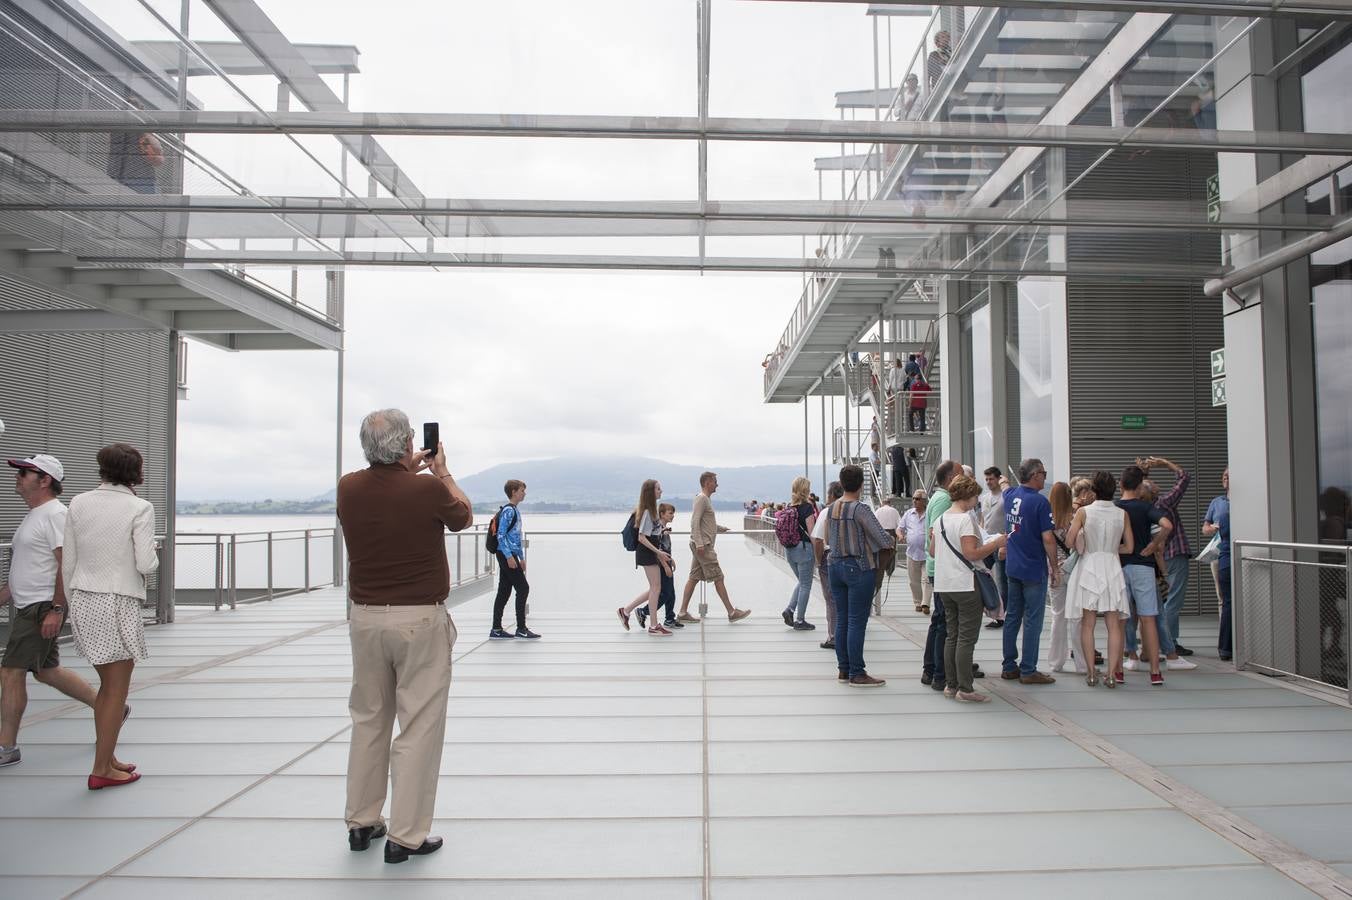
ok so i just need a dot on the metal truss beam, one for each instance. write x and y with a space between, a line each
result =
825 131
68 320
1326 9
1145 272
902 214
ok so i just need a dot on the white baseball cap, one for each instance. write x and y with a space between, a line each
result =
42 462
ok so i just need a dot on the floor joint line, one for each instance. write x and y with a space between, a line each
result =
1300 867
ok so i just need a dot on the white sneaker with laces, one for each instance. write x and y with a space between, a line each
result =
1179 665
1131 665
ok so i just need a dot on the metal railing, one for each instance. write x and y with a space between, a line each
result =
226 568
919 95
155 609
760 530
1290 611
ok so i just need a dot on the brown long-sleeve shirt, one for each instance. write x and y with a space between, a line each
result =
393 522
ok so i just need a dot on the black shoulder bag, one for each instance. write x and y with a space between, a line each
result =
985 584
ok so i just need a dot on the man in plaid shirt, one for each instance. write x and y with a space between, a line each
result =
1177 558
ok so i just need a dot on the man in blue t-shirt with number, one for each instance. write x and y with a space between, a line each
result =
1028 522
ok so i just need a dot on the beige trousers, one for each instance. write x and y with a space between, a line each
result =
401 666
921 589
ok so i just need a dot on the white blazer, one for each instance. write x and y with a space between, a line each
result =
110 542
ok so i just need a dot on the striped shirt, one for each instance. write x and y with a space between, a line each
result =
856 534
1177 545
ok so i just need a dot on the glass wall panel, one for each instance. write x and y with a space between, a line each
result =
1331 277
980 442
1029 328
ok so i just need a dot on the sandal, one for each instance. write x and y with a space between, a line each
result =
924 610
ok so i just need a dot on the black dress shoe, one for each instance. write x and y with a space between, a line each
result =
397 853
926 678
360 838
1182 651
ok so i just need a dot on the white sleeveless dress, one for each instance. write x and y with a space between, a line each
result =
1096 584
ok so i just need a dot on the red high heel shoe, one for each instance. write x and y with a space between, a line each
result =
98 782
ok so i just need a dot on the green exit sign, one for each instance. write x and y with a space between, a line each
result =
1133 423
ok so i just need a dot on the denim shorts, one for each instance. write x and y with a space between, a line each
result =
1145 599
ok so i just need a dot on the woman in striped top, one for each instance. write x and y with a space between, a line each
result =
855 539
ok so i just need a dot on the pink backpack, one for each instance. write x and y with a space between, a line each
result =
786 527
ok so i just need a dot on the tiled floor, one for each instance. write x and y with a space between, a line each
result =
723 762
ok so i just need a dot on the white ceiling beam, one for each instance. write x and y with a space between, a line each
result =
826 131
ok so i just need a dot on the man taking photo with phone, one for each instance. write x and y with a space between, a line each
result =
393 519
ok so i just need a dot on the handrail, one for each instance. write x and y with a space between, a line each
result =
1284 545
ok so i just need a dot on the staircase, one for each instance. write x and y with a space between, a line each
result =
865 388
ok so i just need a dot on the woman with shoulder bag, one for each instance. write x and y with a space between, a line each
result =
855 539
109 550
957 550
1060 655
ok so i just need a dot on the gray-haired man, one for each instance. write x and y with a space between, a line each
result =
393 521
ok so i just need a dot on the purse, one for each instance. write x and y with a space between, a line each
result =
1072 557
985 584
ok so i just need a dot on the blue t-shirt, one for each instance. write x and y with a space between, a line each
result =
1027 516
1218 514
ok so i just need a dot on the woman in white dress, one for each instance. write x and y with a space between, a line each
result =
1099 533
109 549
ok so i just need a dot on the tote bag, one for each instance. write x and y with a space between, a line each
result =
985 584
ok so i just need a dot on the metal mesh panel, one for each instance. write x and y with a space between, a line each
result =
1291 610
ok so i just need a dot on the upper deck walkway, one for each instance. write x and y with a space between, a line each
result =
722 762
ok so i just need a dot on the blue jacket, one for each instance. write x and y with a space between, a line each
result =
509 532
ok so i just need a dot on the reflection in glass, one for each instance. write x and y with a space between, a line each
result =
1331 295
981 436
1030 323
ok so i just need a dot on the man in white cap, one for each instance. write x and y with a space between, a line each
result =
39 600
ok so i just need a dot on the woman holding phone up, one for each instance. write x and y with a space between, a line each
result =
649 556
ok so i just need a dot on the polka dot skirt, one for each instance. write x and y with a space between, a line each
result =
107 627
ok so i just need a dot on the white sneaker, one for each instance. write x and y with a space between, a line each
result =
1179 665
1131 665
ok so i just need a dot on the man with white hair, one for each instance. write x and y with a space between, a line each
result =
393 520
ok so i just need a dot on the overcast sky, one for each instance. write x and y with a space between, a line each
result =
519 365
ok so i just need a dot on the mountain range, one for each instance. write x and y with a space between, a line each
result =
568 484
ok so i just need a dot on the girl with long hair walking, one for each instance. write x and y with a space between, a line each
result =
649 556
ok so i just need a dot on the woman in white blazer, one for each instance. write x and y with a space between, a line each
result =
109 549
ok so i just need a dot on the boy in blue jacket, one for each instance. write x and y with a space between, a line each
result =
511 565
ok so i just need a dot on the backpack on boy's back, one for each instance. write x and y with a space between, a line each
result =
491 539
786 527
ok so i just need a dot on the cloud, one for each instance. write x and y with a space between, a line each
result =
519 365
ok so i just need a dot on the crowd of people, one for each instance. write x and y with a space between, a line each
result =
1008 556
1094 547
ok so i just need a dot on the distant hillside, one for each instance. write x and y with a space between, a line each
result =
566 484
613 482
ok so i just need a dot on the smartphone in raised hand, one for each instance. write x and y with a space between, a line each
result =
431 438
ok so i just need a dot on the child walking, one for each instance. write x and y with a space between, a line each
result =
511 565
666 597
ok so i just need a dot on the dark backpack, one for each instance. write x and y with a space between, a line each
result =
491 541
629 535
786 527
